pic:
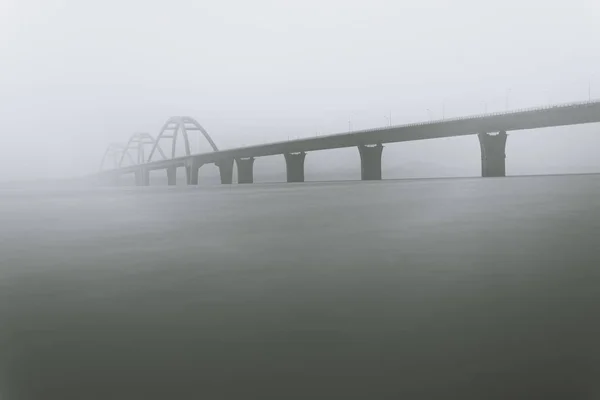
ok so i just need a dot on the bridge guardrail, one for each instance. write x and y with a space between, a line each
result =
474 116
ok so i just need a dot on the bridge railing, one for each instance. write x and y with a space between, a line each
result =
473 116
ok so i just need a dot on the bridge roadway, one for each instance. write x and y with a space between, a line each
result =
369 143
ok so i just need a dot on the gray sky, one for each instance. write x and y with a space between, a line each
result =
76 75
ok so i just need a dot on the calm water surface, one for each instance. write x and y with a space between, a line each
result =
462 288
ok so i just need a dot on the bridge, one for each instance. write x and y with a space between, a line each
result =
491 130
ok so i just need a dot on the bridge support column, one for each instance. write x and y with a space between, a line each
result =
245 168
225 170
172 176
493 154
370 162
142 177
294 163
191 171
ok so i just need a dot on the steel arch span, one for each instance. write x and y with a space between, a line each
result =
138 142
173 127
116 151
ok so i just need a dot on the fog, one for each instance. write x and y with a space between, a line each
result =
77 75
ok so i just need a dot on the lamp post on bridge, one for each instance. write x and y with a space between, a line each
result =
507 95
350 121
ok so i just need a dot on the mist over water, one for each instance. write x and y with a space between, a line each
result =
78 75
462 288
469 288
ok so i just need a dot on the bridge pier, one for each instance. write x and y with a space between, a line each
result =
493 155
192 166
172 176
294 163
142 177
225 170
191 174
370 162
245 168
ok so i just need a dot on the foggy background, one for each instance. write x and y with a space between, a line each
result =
77 75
